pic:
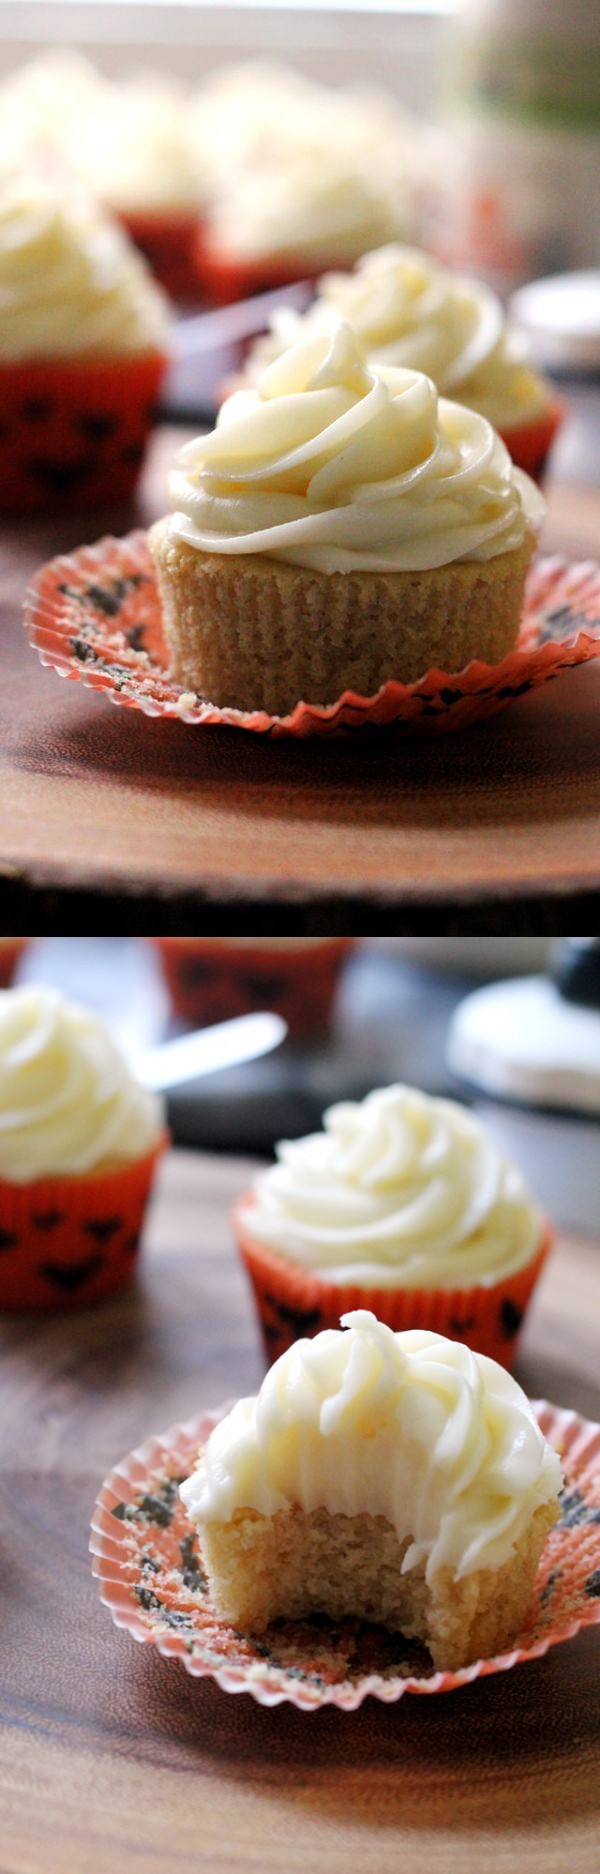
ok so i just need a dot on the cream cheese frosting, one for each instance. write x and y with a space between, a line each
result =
71 284
306 210
398 1191
407 310
133 148
333 464
413 1427
68 1102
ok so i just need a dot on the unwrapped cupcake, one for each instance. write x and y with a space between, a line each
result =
79 1144
408 310
402 1205
82 351
390 1477
341 526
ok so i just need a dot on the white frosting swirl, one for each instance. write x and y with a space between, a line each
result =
399 1191
68 1103
407 310
132 147
332 465
71 284
304 211
412 1427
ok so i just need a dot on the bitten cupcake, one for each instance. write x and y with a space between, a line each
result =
403 1205
407 310
82 351
211 979
79 1143
340 527
391 1477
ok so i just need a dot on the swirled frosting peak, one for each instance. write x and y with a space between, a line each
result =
407 310
399 1190
68 1103
412 1427
71 284
333 464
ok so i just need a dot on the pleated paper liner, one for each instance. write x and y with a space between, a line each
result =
293 1302
95 616
69 1241
11 951
211 981
149 1568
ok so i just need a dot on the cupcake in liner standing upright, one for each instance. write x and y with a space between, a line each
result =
212 979
82 351
407 310
401 1205
337 529
79 1144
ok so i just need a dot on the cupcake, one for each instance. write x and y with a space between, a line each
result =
340 527
133 151
79 1142
211 979
302 177
407 310
403 1205
82 336
11 951
397 1478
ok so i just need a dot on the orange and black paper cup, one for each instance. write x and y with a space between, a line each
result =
293 1302
66 1242
210 980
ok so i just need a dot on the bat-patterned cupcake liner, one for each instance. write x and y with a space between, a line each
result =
150 1575
94 615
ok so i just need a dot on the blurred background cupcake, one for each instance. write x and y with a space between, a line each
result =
403 1205
82 350
79 1144
212 979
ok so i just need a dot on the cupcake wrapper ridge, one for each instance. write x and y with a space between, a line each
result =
530 443
293 1303
68 1242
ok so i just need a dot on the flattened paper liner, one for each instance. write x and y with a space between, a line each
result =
94 615
148 1565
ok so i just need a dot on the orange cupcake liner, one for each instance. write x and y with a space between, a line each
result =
167 239
209 981
225 279
148 1565
95 616
292 1302
11 949
77 431
68 1242
529 444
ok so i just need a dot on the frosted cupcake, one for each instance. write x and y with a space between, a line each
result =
392 1477
82 351
407 310
79 1143
212 979
340 527
403 1205
304 176
133 150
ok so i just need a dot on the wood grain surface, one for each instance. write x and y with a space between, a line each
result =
102 799
113 1759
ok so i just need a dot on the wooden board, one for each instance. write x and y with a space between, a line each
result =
112 1758
101 799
